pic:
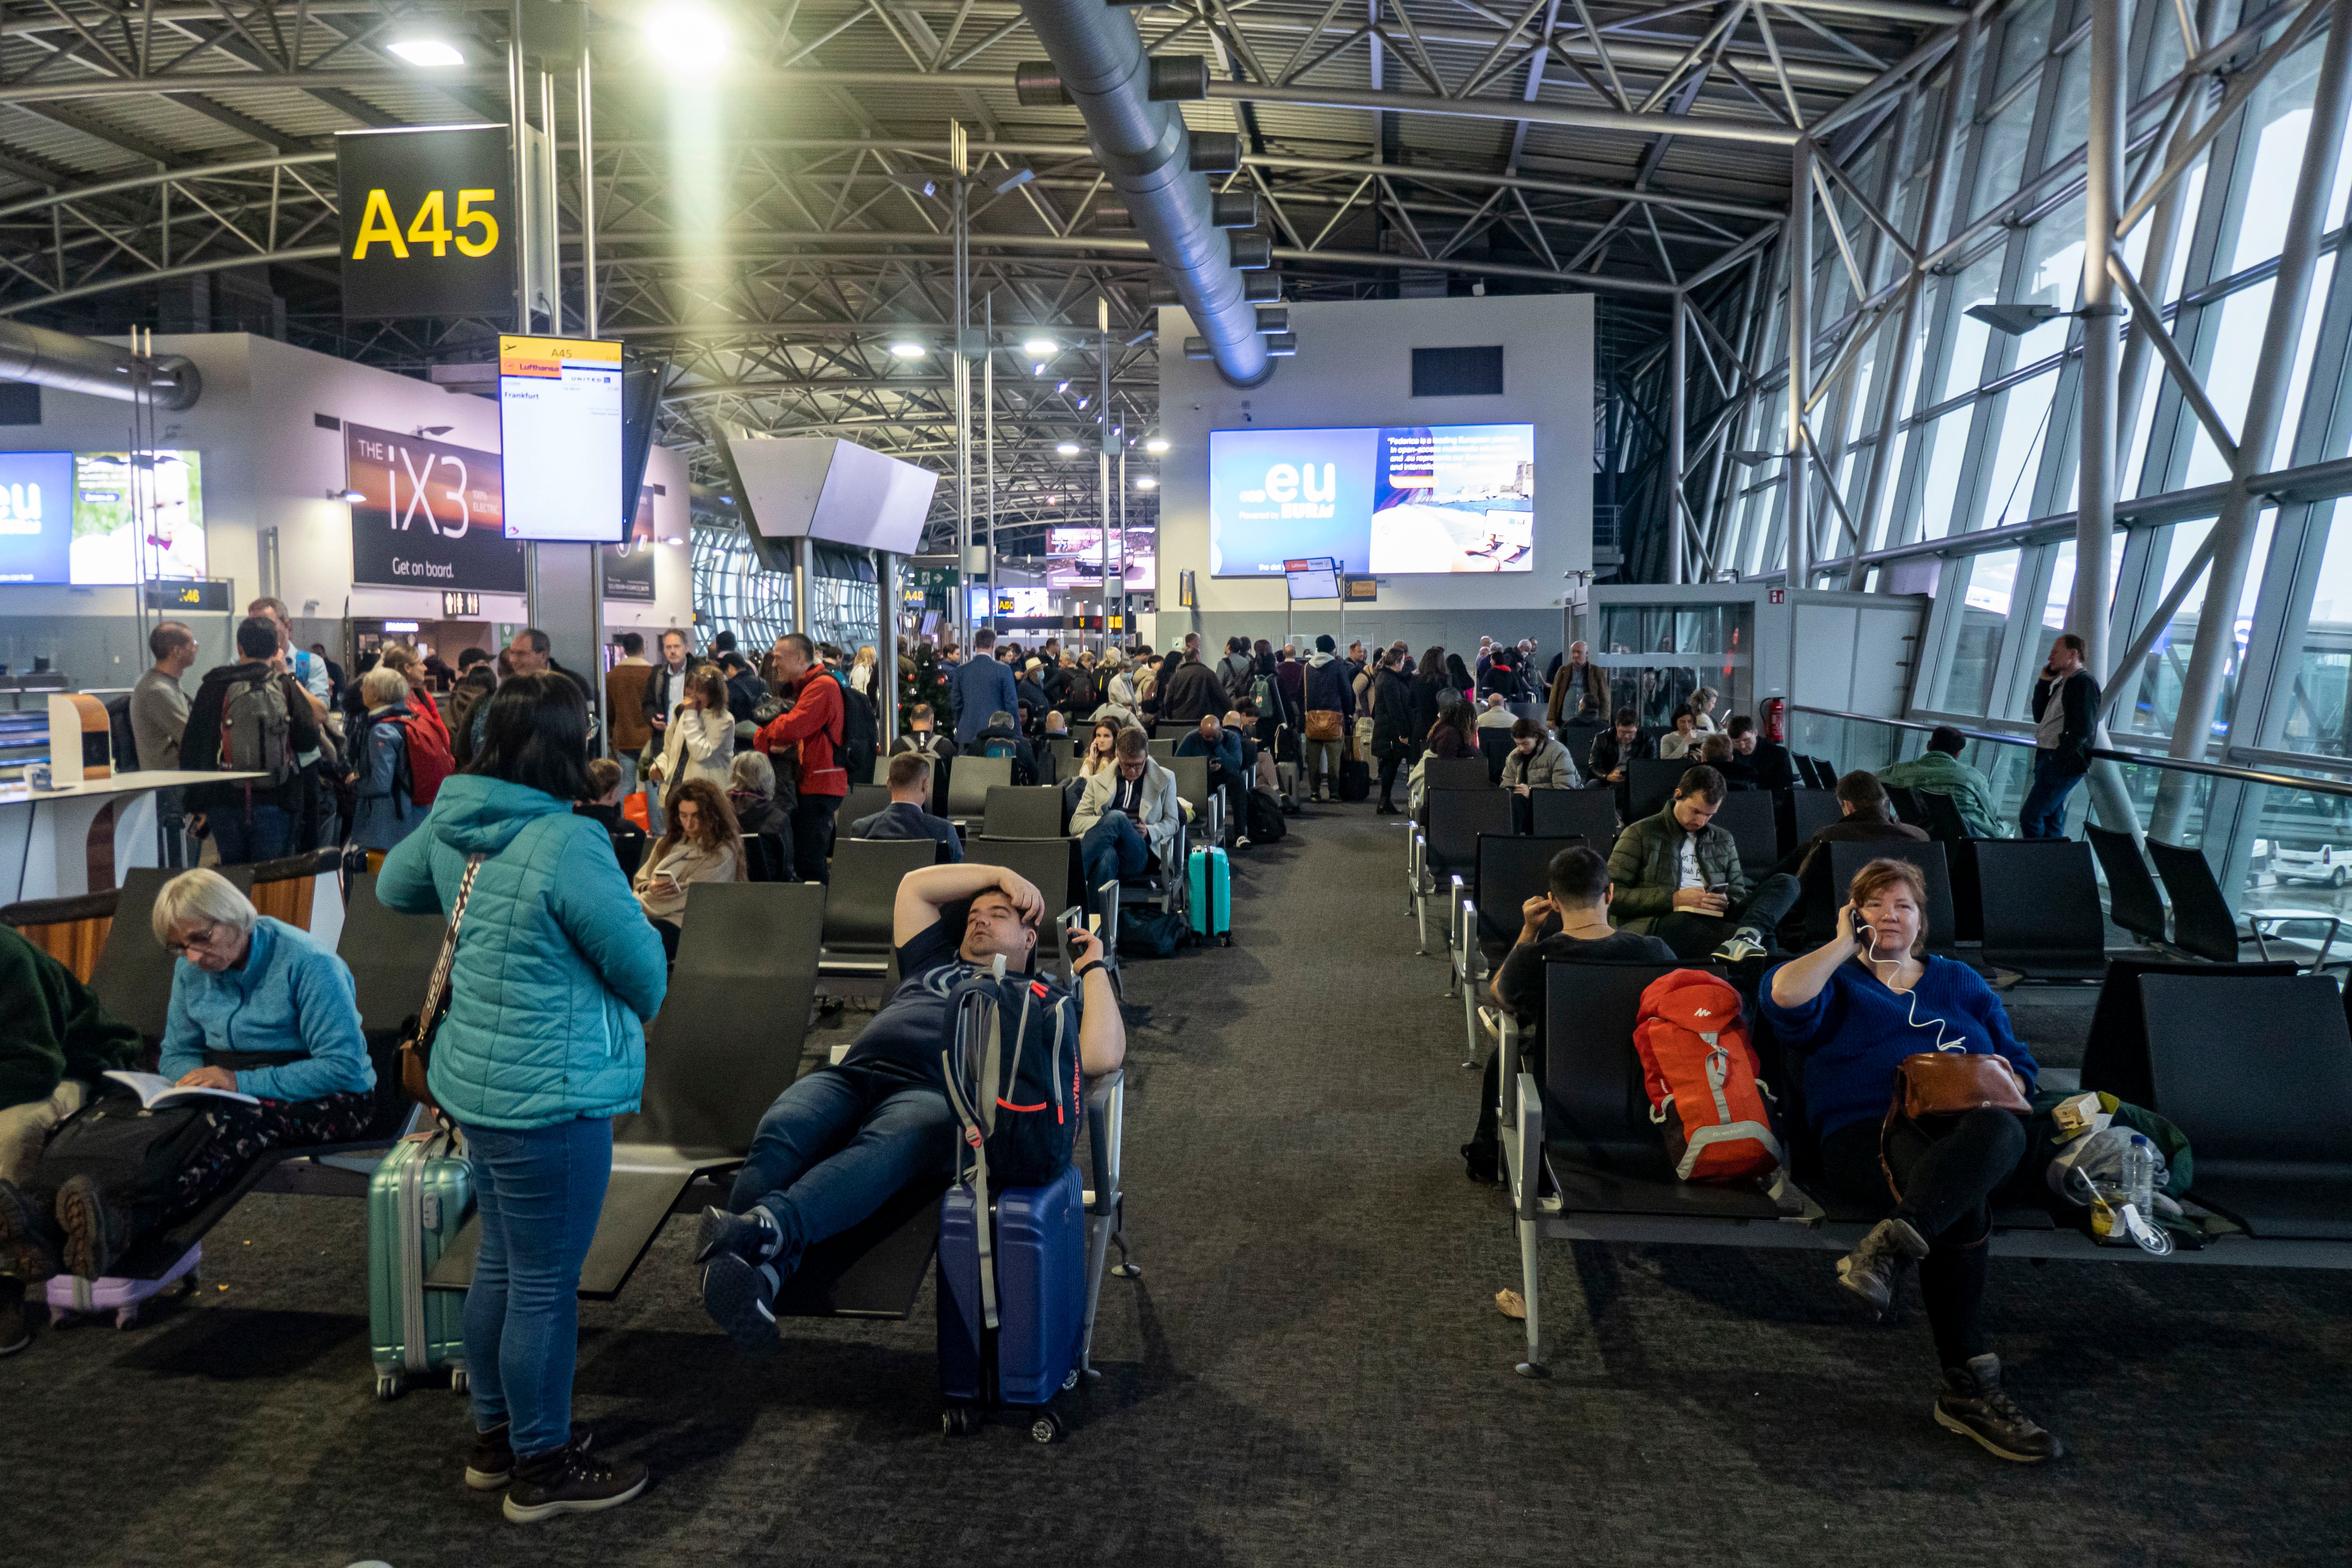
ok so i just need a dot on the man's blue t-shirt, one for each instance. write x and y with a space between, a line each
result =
906 1036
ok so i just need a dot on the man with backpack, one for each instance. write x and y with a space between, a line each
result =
840 1142
250 717
1002 737
810 730
316 813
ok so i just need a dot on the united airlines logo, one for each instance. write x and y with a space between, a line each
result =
1295 491
20 509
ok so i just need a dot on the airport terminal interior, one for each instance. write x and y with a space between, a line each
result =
901 781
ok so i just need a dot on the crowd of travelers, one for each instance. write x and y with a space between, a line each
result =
479 783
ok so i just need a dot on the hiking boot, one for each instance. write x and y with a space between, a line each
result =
16 1323
740 1297
571 1480
493 1461
1974 1404
1482 1161
750 1236
28 1243
1743 944
96 1231
1869 1271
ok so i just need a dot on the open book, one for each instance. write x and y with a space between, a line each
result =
154 1089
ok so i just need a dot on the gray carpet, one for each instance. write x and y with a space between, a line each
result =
1311 1368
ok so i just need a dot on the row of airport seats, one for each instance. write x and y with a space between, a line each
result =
961 787
2253 1062
728 1040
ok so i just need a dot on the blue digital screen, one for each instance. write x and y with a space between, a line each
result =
1398 498
37 499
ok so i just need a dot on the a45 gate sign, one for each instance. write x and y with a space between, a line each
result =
427 222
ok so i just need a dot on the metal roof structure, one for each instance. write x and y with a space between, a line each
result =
749 223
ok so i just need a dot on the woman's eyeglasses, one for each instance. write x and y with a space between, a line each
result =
203 938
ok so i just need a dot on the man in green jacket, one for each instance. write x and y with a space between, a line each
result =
1678 877
1939 771
56 1039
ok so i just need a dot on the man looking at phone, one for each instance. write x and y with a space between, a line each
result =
836 1145
1678 877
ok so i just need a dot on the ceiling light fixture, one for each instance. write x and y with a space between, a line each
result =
908 349
1156 445
2014 321
1067 448
1147 483
687 35
426 51
1014 181
1040 348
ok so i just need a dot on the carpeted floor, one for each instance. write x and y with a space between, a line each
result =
1312 1367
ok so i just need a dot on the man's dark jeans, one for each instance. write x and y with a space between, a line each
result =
836 1146
1695 935
2043 815
1113 850
268 834
813 837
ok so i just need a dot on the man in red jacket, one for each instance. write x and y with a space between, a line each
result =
811 729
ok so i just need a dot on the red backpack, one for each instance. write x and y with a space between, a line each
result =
428 756
1702 1077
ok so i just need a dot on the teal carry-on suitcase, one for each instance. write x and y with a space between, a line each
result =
417 1200
1212 875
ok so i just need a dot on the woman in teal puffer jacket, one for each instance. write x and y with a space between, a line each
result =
555 976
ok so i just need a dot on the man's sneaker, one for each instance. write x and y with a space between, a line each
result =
96 1231
1868 1272
1745 943
751 1236
1240 841
492 1464
29 1247
571 1480
16 1323
740 1297
1974 1404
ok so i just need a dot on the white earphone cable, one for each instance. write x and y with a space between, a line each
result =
1944 1042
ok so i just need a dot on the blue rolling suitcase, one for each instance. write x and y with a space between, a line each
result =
1212 875
417 1198
1037 1253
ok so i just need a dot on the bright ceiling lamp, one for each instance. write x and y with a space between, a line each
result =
1147 482
1041 348
422 50
1157 444
685 35
908 349
1068 448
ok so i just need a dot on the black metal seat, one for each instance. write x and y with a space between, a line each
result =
1495 744
1023 811
1449 845
2133 901
1651 781
1509 870
969 783
1051 865
1846 857
860 898
1944 821
1810 811
1908 805
1587 813
2202 922
2040 907
2115 1053
1748 815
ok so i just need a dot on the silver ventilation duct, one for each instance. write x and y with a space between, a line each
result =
96 370
1139 137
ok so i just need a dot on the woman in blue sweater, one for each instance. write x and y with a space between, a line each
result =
1855 1007
555 975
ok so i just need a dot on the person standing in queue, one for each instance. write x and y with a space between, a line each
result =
814 728
555 976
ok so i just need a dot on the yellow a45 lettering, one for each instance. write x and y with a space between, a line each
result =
378 224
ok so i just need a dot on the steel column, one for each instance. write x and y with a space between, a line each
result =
2103 193
1677 373
1800 243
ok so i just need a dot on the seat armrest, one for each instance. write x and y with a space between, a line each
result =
1506 1076
1106 1110
1526 1183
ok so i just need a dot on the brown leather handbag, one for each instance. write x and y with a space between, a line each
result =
1325 724
1951 1083
416 1034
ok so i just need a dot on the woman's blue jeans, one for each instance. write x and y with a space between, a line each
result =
539 1191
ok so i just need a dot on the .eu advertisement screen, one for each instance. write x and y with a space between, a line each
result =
1398 499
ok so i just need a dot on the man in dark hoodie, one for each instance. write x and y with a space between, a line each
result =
56 1043
1188 692
252 716
1328 689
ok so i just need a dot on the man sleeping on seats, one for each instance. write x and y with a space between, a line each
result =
836 1145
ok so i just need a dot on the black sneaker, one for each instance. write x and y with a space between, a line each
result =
96 1231
1482 1161
16 1323
493 1461
29 1244
1869 1271
740 1297
744 1235
1974 1404
571 1480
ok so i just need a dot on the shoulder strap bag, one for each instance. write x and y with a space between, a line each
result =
1949 1083
416 1034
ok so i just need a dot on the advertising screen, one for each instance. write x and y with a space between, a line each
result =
35 517
1075 559
629 565
128 513
1398 498
427 516
559 428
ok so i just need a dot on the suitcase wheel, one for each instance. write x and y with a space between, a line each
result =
1045 1427
960 1420
459 1383
387 1386
124 1316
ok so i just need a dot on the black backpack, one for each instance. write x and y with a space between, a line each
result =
1011 1061
1266 823
121 736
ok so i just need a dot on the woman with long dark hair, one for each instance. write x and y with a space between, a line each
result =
554 977
702 843
1428 681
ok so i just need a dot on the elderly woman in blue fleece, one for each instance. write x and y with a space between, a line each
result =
555 976
258 1008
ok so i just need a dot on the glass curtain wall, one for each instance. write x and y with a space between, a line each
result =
1986 437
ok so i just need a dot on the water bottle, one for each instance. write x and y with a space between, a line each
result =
2140 1178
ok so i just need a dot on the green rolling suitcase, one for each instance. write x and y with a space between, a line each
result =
417 1200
